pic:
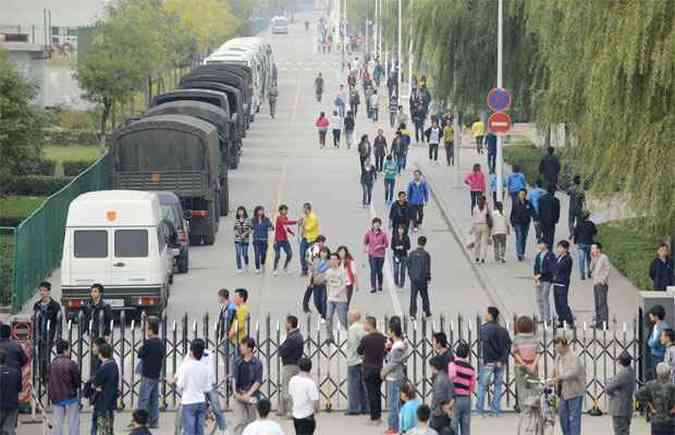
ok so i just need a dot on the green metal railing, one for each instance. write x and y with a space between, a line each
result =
37 241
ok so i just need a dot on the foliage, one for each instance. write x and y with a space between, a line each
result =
208 22
73 119
14 209
35 185
21 123
528 157
63 136
62 153
40 167
72 168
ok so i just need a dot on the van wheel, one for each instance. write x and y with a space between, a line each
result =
183 262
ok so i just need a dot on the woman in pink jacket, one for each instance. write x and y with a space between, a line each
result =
376 243
476 182
322 124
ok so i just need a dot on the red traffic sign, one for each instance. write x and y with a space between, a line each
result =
499 99
499 123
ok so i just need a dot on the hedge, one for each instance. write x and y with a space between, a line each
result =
35 185
528 157
62 136
73 168
39 167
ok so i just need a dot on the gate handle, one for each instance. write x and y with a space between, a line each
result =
118 264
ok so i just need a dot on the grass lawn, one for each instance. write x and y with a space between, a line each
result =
19 207
61 153
629 249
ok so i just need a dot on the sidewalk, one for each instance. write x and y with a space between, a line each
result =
511 284
336 423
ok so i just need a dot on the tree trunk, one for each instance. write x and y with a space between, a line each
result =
104 117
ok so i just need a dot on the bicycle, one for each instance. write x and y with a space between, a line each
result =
540 417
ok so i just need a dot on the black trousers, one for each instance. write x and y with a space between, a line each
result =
421 288
441 424
548 233
418 216
371 377
492 161
433 152
475 196
562 306
379 162
304 426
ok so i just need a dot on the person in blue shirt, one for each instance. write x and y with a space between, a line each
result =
516 182
533 197
407 417
418 196
261 226
657 351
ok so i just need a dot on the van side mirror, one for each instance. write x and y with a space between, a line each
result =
187 214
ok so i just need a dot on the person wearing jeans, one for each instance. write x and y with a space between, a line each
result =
463 376
193 380
309 230
390 173
584 235
476 182
543 275
521 215
64 383
393 373
419 270
336 289
261 226
418 196
375 243
151 356
242 235
569 375
496 348
281 232
368 176
400 245
372 348
357 395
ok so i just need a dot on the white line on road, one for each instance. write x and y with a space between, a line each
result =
391 286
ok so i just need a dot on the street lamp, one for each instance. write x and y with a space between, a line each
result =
398 68
500 138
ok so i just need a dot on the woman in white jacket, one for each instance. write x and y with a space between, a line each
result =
500 229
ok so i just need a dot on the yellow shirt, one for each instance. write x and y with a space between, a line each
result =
239 324
311 227
478 129
448 134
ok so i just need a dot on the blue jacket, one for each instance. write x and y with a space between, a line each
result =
654 342
533 197
418 194
107 378
407 416
261 229
516 182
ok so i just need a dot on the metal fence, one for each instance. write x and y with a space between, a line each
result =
38 239
598 350
7 241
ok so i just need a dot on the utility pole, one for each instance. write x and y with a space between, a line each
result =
343 25
500 138
398 61
410 49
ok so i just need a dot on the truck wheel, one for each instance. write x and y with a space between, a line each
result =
183 262
224 199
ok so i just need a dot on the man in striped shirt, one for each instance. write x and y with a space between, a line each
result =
463 376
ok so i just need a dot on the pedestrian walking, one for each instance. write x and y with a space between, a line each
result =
657 351
242 235
549 169
418 117
261 226
419 271
544 266
357 396
341 101
309 231
400 213
46 312
316 287
407 416
347 263
620 391
393 110
491 145
290 353
349 125
549 215
562 270
374 105
372 348
526 354
281 232
97 313
442 396
192 379
150 357
521 214
533 197
496 345
423 427
576 204
393 372
240 324
658 397
10 387
492 185
354 101
434 134
418 195
64 386
263 425
661 269
375 243
336 286
390 173
569 375
305 396
404 146
449 143
337 124
400 246
481 223
364 151
463 377
106 382
380 150
600 271
368 177
322 124
516 182
500 230
248 376
401 117
478 131
476 182
584 235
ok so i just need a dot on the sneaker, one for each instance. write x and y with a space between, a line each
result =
274 272
322 321
477 260
482 261
373 291
257 271
379 289
237 271
286 271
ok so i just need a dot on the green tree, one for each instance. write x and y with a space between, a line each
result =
21 123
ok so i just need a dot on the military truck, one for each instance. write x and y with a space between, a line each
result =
176 153
221 120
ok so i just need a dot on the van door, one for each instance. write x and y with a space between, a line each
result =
132 263
90 256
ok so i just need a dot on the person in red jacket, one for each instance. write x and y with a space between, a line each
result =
375 244
322 124
281 232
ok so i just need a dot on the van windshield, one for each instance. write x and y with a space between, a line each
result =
90 244
131 243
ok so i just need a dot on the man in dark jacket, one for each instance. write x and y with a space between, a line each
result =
106 383
544 263
661 269
549 168
561 283
10 387
549 214
491 142
372 347
64 385
584 235
290 352
46 312
14 353
380 150
400 213
151 354
96 311
419 270
620 390
495 345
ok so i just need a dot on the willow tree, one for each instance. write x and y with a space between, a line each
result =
608 72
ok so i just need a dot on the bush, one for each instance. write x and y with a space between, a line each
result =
528 157
38 167
73 168
35 185
64 136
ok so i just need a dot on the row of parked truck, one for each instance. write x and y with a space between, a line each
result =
180 152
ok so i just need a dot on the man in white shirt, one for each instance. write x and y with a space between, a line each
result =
263 426
305 395
193 380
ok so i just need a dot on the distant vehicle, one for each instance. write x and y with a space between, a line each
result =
279 25
117 238
172 212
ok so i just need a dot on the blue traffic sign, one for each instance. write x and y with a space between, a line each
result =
499 99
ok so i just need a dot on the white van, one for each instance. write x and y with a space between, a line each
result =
117 238
279 25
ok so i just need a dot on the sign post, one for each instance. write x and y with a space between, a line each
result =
499 123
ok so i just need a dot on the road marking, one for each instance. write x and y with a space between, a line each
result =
269 261
294 112
389 279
